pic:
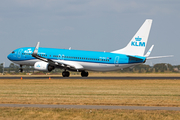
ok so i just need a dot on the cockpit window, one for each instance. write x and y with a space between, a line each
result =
13 52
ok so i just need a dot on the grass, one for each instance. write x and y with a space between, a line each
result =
85 114
91 92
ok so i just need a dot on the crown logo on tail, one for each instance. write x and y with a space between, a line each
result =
138 39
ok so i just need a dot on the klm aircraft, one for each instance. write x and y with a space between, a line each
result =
47 59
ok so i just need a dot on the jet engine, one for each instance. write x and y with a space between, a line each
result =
43 66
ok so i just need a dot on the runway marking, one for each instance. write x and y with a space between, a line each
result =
112 78
92 107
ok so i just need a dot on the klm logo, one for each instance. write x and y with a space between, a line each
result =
38 65
28 51
138 42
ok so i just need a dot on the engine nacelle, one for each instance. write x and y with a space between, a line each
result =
43 66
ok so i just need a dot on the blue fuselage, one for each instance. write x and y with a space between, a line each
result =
23 56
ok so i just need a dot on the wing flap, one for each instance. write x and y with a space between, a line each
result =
72 64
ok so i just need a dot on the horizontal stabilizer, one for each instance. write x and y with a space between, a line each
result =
156 57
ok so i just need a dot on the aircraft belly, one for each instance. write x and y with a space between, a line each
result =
89 66
104 67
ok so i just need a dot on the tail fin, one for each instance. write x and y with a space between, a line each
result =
138 43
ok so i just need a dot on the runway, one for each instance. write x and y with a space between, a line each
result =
91 107
112 78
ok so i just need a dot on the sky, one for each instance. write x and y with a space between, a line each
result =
95 25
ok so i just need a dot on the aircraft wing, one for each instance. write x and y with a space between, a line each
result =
61 64
72 64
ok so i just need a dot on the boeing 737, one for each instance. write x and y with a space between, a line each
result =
47 59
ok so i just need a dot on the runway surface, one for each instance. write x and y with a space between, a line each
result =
91 107
115 78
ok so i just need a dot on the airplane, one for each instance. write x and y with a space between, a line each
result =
47 59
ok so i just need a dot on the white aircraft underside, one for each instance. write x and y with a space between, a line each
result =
86 65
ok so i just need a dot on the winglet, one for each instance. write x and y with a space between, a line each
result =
149 51
36 49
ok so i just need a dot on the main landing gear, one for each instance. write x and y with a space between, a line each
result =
67 74
84 74
20 69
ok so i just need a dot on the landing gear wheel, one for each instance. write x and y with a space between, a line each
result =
20 69
84 74
65 74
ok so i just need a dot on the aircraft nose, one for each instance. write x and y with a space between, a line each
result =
9 56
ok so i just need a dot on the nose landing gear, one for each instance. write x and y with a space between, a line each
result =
20 69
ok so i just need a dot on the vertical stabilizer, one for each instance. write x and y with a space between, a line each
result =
138 43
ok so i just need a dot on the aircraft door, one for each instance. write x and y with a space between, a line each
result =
116 61
19 53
